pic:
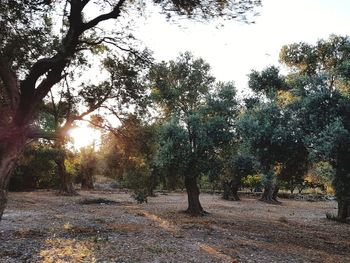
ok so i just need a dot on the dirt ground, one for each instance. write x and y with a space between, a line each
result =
43 227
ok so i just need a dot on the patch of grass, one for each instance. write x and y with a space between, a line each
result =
67 250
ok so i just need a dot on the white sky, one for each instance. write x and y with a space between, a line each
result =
236 48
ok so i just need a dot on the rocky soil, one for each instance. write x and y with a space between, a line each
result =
108 226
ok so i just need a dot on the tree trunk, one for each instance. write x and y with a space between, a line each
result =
152 184
9 154
226 193
66 187
235 189
270 194
3 200
344 211
275 193
87 183
231 191
194 205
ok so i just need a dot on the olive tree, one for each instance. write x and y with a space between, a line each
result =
35 56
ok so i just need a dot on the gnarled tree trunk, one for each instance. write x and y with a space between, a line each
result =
231 191
194 205
10 151
270 194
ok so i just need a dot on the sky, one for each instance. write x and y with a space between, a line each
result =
236 48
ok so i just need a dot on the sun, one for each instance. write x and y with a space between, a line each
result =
83 136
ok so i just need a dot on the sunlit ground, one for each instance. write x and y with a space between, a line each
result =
67 250
83 136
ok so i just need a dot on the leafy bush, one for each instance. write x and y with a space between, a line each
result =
36 169
253 182
140 196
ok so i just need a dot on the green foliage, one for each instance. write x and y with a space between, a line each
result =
85 167
198 130
140 196
329 58
180 86
252 182
267 82
236 169
323 109
32 37
36 169
202 10
242 165
321 174
272 132
130 153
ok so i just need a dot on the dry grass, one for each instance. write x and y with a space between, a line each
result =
44 227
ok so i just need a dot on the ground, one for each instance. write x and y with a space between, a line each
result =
44 227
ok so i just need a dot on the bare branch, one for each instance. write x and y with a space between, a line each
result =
115 13
108 127
54 108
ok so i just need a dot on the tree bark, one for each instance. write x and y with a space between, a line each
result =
9 153
344 211
226 193
66 187
275 193
231 191
235 195
194 205
270 194
151 185
87 183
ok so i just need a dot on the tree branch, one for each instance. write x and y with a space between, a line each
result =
111 15
41 134
10 81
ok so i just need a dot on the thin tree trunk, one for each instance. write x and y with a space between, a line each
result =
194 205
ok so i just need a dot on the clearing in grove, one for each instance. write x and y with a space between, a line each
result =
105 226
